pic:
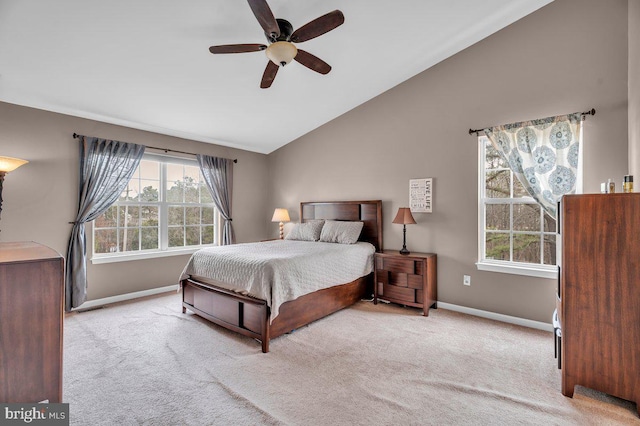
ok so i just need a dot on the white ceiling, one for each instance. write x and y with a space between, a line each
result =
145 64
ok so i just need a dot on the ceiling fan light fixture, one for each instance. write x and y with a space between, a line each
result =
281 52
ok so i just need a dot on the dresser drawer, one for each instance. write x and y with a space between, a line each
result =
396 294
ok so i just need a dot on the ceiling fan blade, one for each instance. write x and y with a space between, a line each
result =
312 62
265 17
318 26
237 48
269 75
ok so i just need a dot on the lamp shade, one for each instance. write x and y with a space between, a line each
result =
404 216
9 164
281 52
280 215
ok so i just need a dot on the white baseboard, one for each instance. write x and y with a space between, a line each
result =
498 317
127 296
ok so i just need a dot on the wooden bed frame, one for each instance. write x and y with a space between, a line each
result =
250 316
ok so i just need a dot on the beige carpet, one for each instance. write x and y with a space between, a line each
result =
147 363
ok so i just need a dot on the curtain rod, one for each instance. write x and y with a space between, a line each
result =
235 160
592 111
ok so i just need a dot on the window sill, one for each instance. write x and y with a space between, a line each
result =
125 257
538 271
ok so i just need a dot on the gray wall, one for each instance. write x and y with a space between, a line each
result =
634 91
41 197
568 56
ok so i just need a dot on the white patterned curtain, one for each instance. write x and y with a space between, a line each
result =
543 154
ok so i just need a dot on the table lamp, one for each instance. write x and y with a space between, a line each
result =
281 215
405 218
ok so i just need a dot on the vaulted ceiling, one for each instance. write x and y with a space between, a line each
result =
145 64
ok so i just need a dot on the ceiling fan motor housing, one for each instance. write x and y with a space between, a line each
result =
286 29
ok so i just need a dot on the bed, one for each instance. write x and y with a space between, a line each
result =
251 316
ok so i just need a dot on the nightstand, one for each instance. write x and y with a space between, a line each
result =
409 280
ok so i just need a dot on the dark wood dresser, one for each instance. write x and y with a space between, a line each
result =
599 293
31 315
406 279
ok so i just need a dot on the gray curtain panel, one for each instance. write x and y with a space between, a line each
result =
105 170
218 174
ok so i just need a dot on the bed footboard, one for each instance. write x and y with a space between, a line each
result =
242 314
250 317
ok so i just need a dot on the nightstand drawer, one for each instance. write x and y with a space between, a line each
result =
415 281
406 266
396 294
398 279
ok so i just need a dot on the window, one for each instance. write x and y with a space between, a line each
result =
516 235
165 208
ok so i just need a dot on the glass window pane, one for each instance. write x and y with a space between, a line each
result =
526 217
129 239
149 169
498 184
107 219
207 235
207 215
176 215
549 250
518 189
192 215
175 184
205 195
176 236
192 174
105 241
493 160
497 217
131 215
193 235
526 248
149 215
549 223
131 192
190 190
497 246
149 238
150 190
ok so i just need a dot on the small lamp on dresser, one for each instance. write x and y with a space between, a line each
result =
281 215
404 217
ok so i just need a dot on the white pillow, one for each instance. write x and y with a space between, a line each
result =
342 232
307 231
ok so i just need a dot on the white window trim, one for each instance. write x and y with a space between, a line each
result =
141 255
506 267
164 250
527 269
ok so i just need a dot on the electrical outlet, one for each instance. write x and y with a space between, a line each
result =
466 280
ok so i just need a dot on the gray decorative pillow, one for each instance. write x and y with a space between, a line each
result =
342 232
307 231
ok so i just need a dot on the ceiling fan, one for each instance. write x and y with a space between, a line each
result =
281 36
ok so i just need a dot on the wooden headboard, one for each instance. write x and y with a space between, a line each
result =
369 212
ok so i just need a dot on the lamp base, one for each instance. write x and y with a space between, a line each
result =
404 241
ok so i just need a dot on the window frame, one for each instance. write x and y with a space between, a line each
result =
163 205
538 270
